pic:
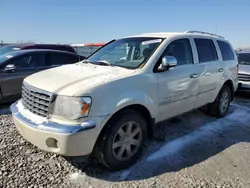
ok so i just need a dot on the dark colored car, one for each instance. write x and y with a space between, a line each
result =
16 65
60 47
15 47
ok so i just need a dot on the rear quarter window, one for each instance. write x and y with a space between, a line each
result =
226 51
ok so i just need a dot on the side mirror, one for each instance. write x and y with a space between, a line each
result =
168 62
10 68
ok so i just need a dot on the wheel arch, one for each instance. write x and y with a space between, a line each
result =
134 107
229 83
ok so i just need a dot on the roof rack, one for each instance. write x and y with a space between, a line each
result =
202 32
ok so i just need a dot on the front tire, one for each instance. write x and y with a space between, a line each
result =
123 141
222 102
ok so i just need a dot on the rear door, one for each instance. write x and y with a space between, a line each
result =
209 79
25 65
229 63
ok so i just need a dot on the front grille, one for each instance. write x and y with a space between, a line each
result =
244 77
35 100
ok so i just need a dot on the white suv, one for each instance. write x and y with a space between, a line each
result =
109 104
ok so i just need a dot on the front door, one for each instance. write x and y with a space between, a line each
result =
25 65
178 87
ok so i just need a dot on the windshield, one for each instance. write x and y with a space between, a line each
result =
7 49
8 55
244 58
2 58
130 53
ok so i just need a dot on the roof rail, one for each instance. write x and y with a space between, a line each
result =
202 32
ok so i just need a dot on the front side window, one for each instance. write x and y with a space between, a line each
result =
181 50
206 50
244 58
226 51
29 60
130 53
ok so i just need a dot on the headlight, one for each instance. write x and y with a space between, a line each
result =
72 107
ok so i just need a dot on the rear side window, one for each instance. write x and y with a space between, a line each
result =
226 51
61 58
206 50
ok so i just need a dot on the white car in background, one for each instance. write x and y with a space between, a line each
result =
109 105
244 70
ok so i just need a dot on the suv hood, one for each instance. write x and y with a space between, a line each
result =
244 69
70 79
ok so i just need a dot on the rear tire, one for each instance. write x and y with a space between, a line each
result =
123 141
222 102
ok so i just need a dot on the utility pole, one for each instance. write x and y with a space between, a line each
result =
216 29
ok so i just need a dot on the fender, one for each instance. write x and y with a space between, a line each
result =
110 105
132 98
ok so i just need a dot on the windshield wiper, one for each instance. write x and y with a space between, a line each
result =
87 61
103 62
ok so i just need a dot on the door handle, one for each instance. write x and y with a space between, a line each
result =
194 75
221 70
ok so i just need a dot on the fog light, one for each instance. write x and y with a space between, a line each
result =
51 143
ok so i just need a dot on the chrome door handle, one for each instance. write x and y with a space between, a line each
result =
194 75
221 70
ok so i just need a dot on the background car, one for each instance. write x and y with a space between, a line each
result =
62 47
15 47
87 49
244 69
15 66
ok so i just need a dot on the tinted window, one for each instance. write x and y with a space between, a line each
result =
61 58
244 58
206 50
29 60
181 50
226 51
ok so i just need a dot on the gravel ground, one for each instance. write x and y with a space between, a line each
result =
195 152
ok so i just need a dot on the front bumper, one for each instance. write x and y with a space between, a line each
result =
66 140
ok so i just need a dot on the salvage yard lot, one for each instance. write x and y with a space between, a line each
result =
197 151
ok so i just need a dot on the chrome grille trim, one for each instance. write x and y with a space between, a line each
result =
244 77
36 100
